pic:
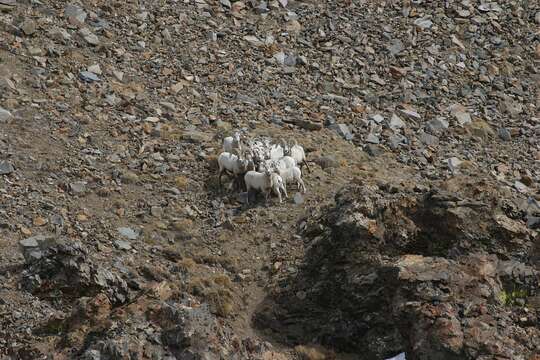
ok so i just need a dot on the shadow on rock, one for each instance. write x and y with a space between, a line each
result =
427 274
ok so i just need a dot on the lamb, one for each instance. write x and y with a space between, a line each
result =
298 154
278 185
232 163
259 181
293 174
232 142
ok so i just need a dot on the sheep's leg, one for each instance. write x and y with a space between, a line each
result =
301 186
284 187
304 162
219 178
247 198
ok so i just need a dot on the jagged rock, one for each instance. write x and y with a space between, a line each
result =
400 273
67 267
342 130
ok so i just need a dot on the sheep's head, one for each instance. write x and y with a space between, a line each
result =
236 137
244 165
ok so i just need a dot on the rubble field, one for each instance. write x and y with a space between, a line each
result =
417 237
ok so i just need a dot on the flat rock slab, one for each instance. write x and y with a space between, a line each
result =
128 233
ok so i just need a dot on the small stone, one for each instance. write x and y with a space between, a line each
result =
128 233
428 139
78 187
395 47
396 122
122 245
505 134
6 167
373 150
28 27
96 69
461 114
225 3
90 38
327 161
75 13
156 211
372 139
342 130
378 118
5 115
88 76
521 187
453 164
39 221
437 125
396 140
119 75
298 198
293 26
423 23
411 114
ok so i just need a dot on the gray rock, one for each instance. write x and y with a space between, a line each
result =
372 139
423 23
90 37
373 150
33 247
128 233
396 122
395 47
427 139
411 114
327 161
6 167
342 130
78 187
521 187
504 134
378 118
298 198
453 164
75 12
396 140
122 245
88 76
225 3
5 115
28 27
437 125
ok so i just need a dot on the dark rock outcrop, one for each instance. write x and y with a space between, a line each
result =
427 274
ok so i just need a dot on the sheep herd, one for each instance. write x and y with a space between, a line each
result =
261 165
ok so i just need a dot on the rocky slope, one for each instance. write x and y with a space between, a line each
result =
116 243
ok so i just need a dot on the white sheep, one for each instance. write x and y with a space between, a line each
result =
283 163
278 185
261 181
232 142
298 154
293 174
231 163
